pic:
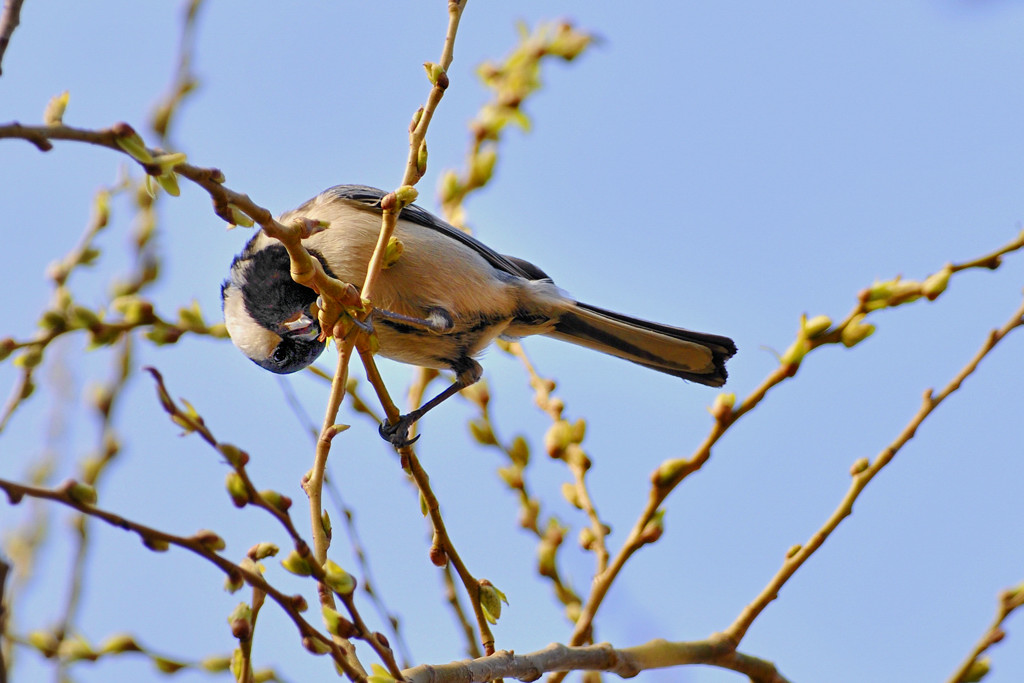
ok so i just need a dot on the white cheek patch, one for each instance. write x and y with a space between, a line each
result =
253 339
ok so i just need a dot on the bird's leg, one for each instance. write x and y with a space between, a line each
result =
398 433
438 320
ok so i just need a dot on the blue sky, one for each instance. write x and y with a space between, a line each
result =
719 166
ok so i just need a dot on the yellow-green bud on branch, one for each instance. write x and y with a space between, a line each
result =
380 675
856 331
858 466
118 644
240 620
239 217
337 579
653 530
406 194
482 166
936 283
338 625
392 252
276 500
157 545
421 159
234 582
76 649
315 645
490 601
482 432
721 408
209 540
80 493
978 670
237 489
128 140
168 666
296 564
53 115
571 494
817 325
262 551
436 74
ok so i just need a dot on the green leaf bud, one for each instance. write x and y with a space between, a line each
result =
434 71
167 162
118 644
45 642
482 165
571 494
276 500
338 625
721 407
490 601
237 490
512 476
315 646
393 252
406 194
239 217
234 582
128 140
296 564
80 493
380 675
421 158
209 540
75 649
936 283
546 551
30 357
215 664
669 471
557 438
856 331
482 432
978 669
240 620
157 545
7 346
654 528
519 451
167 666
234 455
817 325
54 112
337 579
450 187
262 551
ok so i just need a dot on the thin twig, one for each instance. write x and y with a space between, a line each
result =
9 20
863 472
200 544
974 667
4 570
672 473
625 662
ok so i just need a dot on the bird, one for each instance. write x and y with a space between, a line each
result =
445 299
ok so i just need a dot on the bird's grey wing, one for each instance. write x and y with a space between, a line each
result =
371 197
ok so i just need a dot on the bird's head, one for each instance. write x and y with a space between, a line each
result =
269 316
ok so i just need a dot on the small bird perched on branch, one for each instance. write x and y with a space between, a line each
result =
440 304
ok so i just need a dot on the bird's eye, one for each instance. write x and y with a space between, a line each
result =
279 355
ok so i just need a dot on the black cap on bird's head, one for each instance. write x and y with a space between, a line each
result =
269 316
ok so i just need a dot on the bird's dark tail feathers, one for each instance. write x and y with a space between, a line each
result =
695 356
